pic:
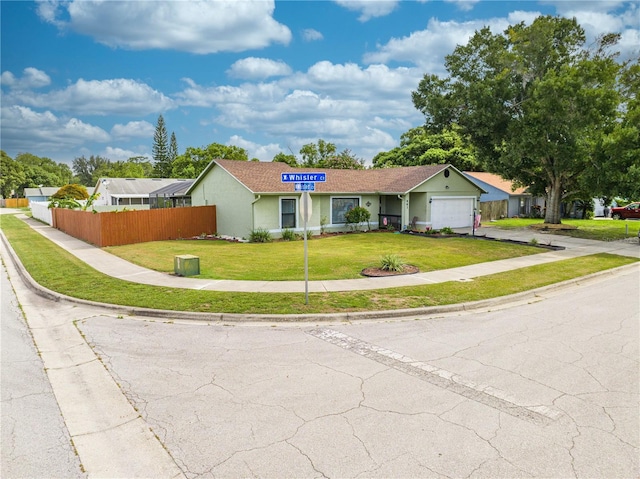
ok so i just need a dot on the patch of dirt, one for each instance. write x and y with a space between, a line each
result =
549 226
379 272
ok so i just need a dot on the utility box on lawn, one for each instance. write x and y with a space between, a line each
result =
186 265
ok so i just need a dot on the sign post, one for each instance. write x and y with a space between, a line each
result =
305 211
305 182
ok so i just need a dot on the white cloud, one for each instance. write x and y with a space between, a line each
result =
98 97
255 150
202 27
347 104
311 35
24 129
369 8
464 5
350 80
133 129
258 68
332 90
8 79
520 16
598 18
120 154
31 78
427 48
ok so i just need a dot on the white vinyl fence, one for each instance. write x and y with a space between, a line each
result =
40 211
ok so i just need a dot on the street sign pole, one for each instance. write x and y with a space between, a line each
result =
305 206
305 182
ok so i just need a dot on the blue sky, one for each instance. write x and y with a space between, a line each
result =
91 78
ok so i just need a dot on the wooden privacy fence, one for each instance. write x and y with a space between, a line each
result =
128 227
494 210
15 202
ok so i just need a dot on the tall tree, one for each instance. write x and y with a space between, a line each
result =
87 171
345 160
314 154
144 163
418 146
194 160
12 175
31 171
533 100
173 148
290 160
615 169
160 150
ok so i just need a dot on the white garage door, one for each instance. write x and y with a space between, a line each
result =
452 212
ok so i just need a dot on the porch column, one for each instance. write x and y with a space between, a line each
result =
405 220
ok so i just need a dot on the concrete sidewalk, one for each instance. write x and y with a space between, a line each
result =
121 269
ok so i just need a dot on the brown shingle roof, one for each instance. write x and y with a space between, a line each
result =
265 177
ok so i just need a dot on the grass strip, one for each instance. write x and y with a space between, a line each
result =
600 230
58 270
336 257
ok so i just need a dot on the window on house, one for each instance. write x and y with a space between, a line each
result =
287 213
339 206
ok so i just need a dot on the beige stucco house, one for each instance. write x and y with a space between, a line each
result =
250 195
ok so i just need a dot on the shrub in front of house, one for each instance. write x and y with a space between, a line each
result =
260 235
288 235
355 216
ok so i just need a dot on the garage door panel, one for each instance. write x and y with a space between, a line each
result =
452 212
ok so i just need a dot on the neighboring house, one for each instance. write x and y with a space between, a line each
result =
171 196
519 201
40 194
249 195
128 191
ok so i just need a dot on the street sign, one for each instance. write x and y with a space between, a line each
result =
305 207
305 187
319 177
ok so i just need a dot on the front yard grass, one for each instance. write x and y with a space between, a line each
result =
58 270
601 230
336 257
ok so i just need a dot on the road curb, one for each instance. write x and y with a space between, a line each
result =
290 318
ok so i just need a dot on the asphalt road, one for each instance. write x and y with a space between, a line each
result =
548 388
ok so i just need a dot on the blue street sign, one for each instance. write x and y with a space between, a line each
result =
305 187
304 177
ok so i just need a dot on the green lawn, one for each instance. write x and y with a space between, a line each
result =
601 230
58 270
336 257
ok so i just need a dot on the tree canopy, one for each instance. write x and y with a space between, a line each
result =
418 146
30 171
88 171
194 160
71 191
322 154
534 102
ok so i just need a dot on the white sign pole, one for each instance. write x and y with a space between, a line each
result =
306 214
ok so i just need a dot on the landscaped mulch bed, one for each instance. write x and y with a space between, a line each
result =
379 272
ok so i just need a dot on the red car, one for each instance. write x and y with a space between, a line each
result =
632 210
